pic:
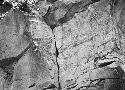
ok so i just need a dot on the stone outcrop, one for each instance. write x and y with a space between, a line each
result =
64 45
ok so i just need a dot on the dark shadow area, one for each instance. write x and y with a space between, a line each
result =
51 1
7 65
1 2
10 61
32 85
49 18
5 7
24 7
52 86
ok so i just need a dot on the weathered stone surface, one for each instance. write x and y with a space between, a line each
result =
44 38
72 55
87 35
12 41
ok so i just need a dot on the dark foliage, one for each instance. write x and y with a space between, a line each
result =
1 2
5 7
25 8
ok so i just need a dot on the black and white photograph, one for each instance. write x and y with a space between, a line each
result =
62 44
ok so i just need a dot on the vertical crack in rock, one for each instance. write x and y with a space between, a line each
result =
42 36
89 47
58 71
57 53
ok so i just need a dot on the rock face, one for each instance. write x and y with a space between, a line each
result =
87 35
65 45
12 40
11 32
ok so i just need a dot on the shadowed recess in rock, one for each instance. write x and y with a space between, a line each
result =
75 8
52 86
10 61
95 0
72 8
7 65
53 26
32 85
106 64
49 18
51 1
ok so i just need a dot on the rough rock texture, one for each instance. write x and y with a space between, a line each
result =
64 45
12 41
88 35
